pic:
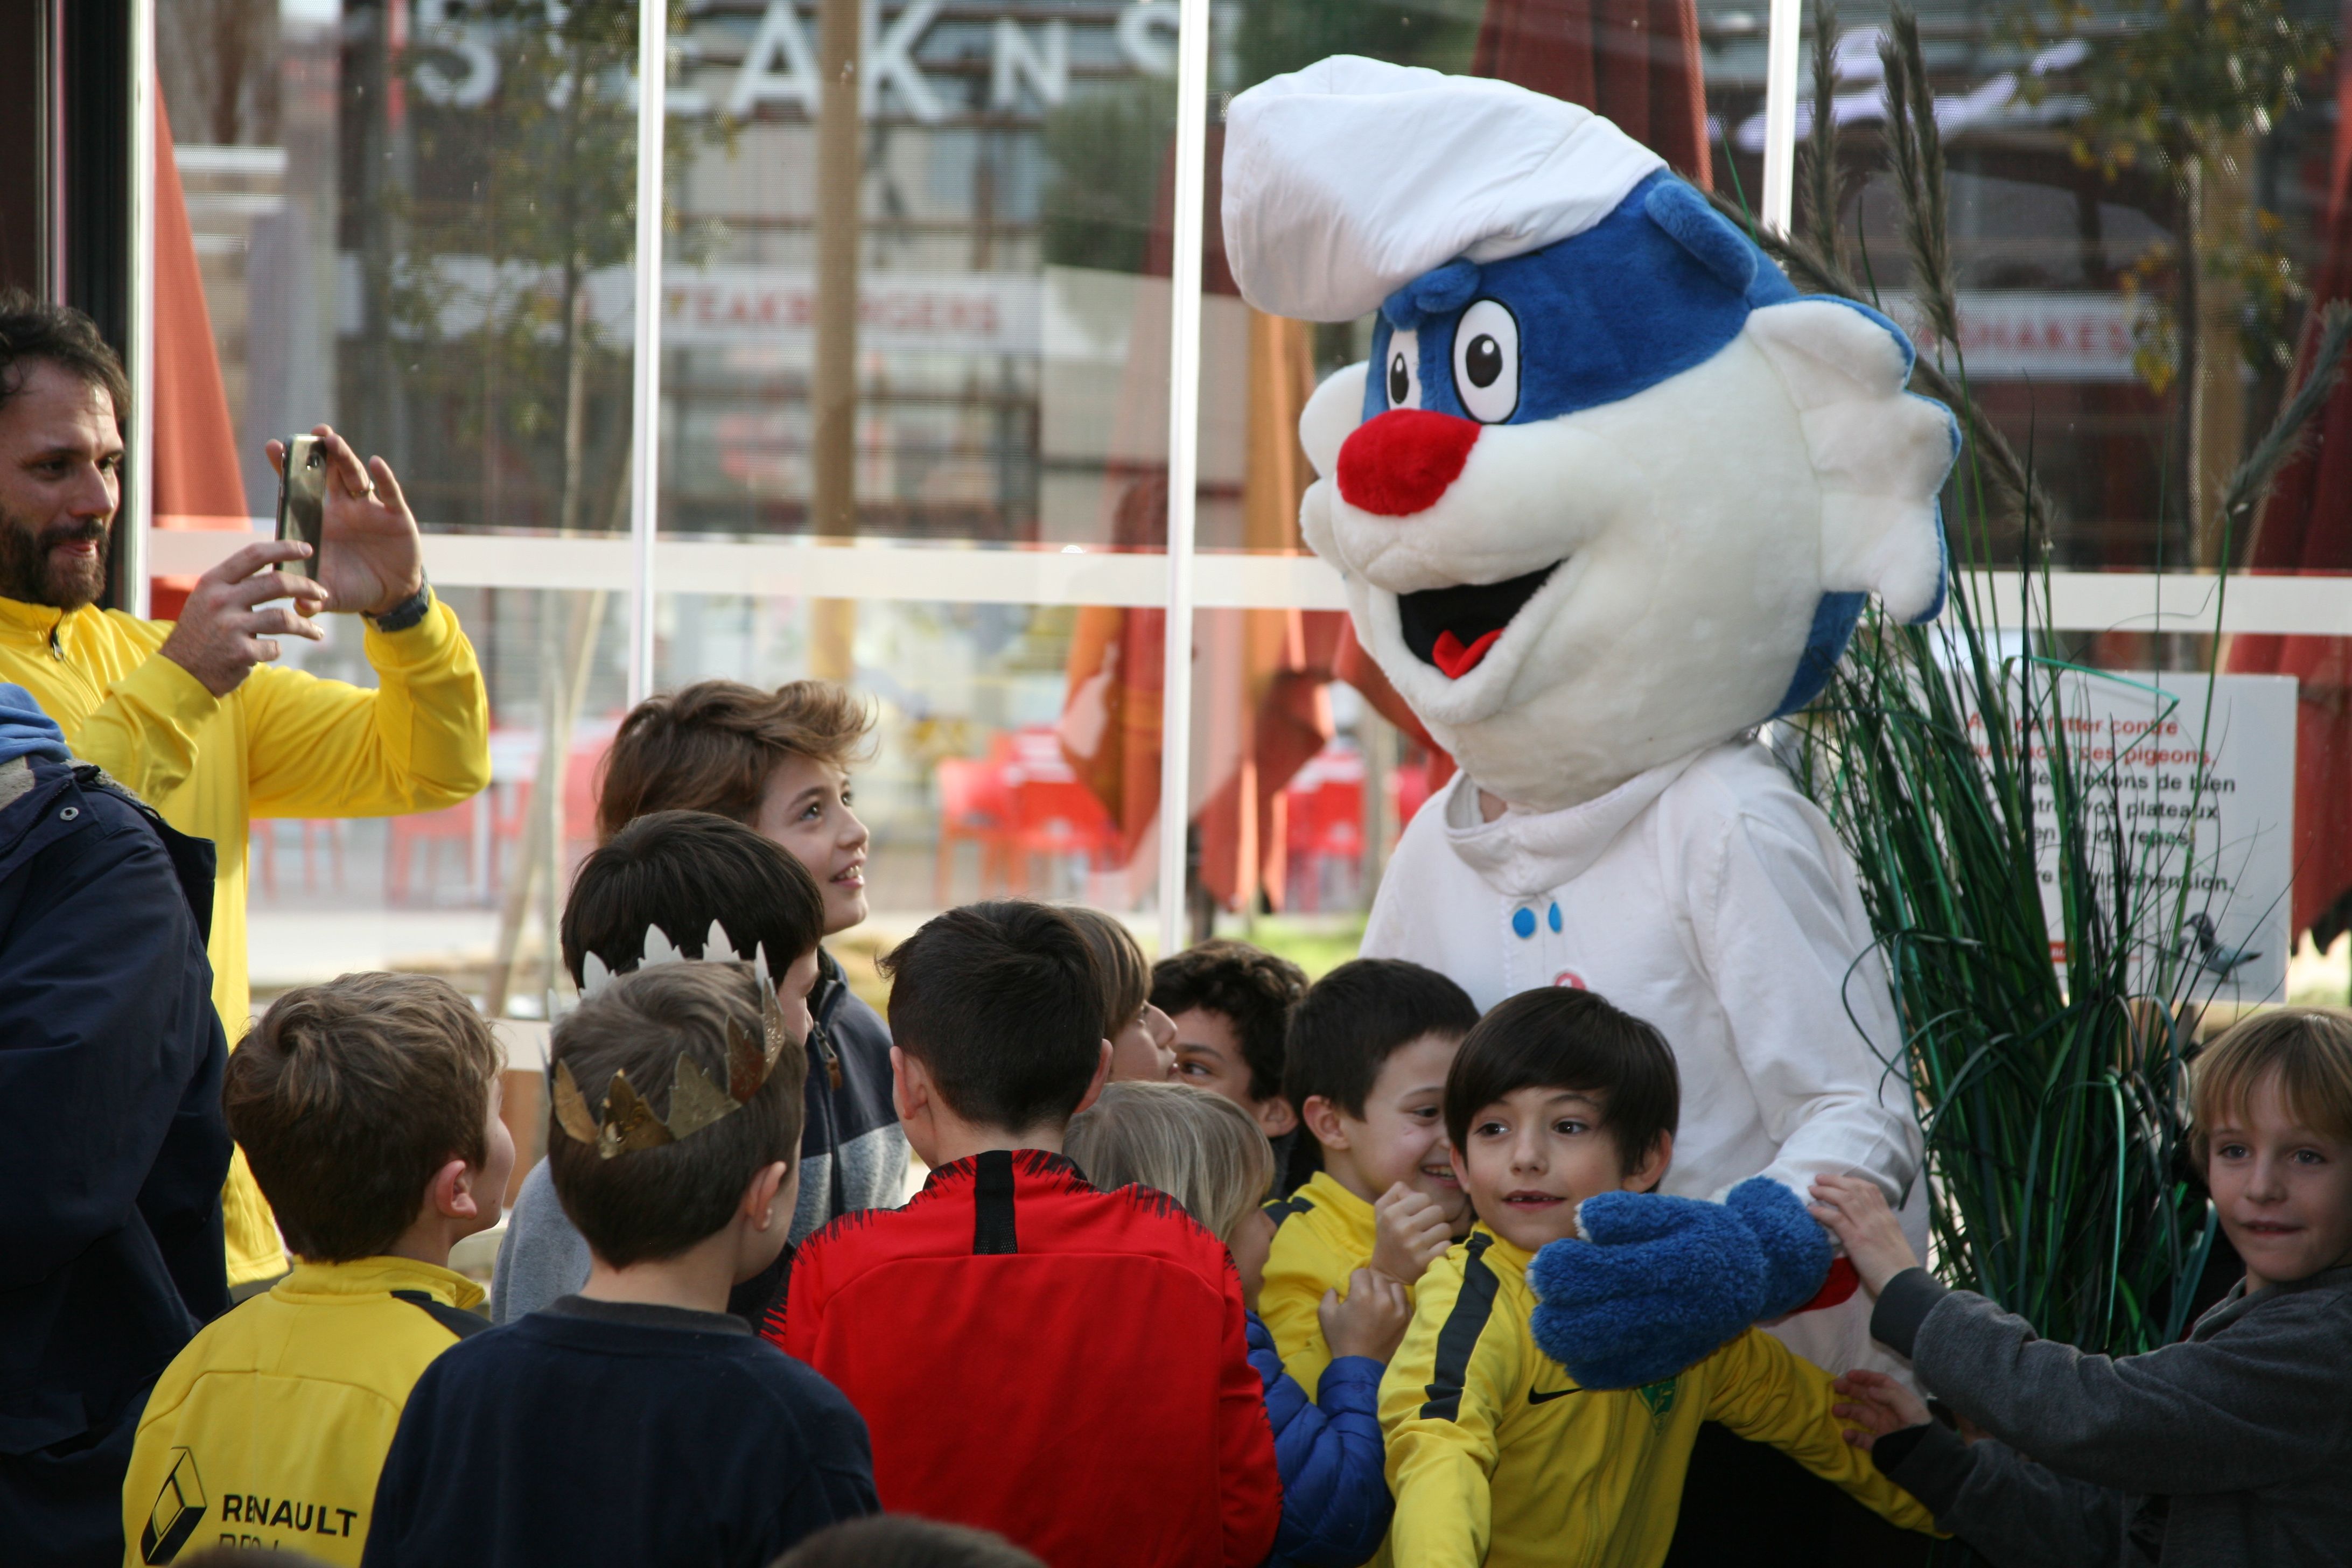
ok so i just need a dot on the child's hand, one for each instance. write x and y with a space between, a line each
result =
1879 1405
1372 1321
1408 1234
1855 1211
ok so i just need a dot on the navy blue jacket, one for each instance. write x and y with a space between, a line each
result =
1335 1497
114 1148
616 1433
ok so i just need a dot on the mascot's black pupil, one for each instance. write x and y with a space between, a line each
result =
1485 361
1400 382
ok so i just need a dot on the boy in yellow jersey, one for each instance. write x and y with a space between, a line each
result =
1494 1453
1365 1064
369 1109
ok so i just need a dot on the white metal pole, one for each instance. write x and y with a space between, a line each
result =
1780 115
645 409
1183 461
142 327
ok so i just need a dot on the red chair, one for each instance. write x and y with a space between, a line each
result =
428 832
975 808
579 793
1325 813
1410 790
1060 818
263 839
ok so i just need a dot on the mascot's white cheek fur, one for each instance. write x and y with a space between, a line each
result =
1696 524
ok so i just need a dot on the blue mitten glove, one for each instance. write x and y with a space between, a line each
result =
1796 1248
1657 1283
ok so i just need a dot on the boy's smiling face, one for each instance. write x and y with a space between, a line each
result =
1400 1137
2284 1190
1536 1153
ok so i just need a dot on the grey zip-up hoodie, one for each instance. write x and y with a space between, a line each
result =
2233 1446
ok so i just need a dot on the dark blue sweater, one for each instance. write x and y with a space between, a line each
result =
596 1432
1335 1497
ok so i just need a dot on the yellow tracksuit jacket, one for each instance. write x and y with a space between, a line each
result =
1322 1234
271 1428
284 744
1496 1455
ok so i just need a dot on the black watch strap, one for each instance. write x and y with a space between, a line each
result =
406 613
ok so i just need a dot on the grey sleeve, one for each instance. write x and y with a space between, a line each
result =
1903 1306
2017 1513
542 1256
2264 1400
873 1168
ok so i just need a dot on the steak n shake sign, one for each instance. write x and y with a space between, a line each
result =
751 60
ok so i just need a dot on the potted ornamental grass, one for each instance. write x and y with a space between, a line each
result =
2048 1014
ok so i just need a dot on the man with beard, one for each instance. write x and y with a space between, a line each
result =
190 715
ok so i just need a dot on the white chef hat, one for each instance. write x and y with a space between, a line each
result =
1347 179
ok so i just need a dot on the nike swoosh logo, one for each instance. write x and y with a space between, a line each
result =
1534 1397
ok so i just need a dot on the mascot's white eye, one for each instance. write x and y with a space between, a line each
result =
1487 362
1401 376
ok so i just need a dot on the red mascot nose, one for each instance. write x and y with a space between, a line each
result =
1399 462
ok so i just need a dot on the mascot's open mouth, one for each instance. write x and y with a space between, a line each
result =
1454 627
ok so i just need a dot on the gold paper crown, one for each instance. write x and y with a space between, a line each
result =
628 1123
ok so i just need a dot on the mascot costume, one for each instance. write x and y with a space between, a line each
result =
1609 496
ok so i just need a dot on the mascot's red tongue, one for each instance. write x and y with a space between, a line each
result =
1456 660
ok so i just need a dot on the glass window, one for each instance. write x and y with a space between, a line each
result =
1002 339
913 427
414 221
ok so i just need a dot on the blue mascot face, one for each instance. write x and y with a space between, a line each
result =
1606 502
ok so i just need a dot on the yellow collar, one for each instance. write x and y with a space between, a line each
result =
1498 1251
1324 1191
36 620
312 1281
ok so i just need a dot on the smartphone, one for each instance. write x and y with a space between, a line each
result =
302 501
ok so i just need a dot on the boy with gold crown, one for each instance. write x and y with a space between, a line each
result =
639 1421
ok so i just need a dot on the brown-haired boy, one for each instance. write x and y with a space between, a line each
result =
639 1422
1366 1059
1231 1005
369 1111
2233 1446
778 764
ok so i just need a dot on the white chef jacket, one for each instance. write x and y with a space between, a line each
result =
1711 898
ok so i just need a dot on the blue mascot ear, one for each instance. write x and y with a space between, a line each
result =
1698 228
1434 293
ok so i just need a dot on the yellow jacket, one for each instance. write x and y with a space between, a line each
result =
1496 1456
284 744
1322 1234
271 1428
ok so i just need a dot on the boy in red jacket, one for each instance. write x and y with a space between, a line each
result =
1065 1366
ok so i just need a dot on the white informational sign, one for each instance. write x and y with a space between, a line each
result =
967 312
2204 800
2039 336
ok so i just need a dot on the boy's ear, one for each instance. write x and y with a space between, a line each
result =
760 1194
1274 1115
911 1085
1646 1177
451 1191
1322 1119
1102 1077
